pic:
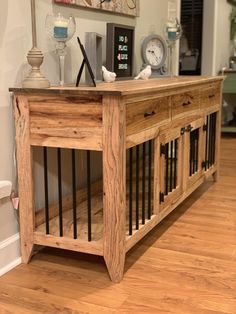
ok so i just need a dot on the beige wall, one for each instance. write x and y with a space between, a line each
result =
14 42
223 47
216 40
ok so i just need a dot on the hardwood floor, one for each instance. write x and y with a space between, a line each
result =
187 264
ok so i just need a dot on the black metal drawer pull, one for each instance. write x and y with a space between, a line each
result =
148 114
211 96
186 103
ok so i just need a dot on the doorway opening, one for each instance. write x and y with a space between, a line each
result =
190 54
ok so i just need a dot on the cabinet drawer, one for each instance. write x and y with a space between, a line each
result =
210 96
66 121
145 114
184 103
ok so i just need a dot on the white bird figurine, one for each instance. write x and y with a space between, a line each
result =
144 74
108 76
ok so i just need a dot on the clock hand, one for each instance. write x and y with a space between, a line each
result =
153 52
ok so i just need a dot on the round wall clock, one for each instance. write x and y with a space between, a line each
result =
154 52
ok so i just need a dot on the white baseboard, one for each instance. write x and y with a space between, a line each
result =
9 253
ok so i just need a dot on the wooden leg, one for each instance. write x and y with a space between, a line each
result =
216 176
24 167
114 201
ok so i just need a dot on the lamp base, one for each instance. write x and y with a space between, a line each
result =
35 79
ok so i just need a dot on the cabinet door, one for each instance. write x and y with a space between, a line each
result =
211 134
193 153
171 161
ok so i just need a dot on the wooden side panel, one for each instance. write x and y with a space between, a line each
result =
114 199
147 113
24 168
53 120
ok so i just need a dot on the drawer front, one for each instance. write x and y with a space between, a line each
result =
210 96
148 113
55 120
184 103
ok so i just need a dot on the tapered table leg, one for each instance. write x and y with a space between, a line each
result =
24 167
114 201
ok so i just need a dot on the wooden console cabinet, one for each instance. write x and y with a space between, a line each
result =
159 140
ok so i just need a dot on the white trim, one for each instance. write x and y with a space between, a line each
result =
10 266
10 253
9 241
5 189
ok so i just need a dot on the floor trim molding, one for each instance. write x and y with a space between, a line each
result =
9 253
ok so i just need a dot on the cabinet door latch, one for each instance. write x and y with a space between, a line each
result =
162 196
182 130
189 128
162 149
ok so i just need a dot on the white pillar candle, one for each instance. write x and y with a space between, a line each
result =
60 27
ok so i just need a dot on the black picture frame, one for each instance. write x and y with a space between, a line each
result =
120 49
84 62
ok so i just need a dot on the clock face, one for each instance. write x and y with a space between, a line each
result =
154 51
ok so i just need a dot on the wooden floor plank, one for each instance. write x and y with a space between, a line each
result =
186 265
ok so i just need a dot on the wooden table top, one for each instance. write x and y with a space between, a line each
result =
124 87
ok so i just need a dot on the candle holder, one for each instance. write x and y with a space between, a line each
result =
35 79
61 30
172 32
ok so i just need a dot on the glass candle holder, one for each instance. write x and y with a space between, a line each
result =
61 30
172 32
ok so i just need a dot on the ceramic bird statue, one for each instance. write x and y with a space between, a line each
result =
108 76
144 74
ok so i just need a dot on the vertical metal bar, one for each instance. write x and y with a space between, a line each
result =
214 136
89 195
210 142
175 163
137 187
167 168
59 191
130 191
149 178
190 154
194 151
74 193
143 183
206 147
197 149
171 165
46 189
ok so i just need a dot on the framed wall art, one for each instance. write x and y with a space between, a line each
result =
126 7
120 49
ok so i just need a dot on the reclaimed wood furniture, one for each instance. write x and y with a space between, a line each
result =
229 88
159 141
